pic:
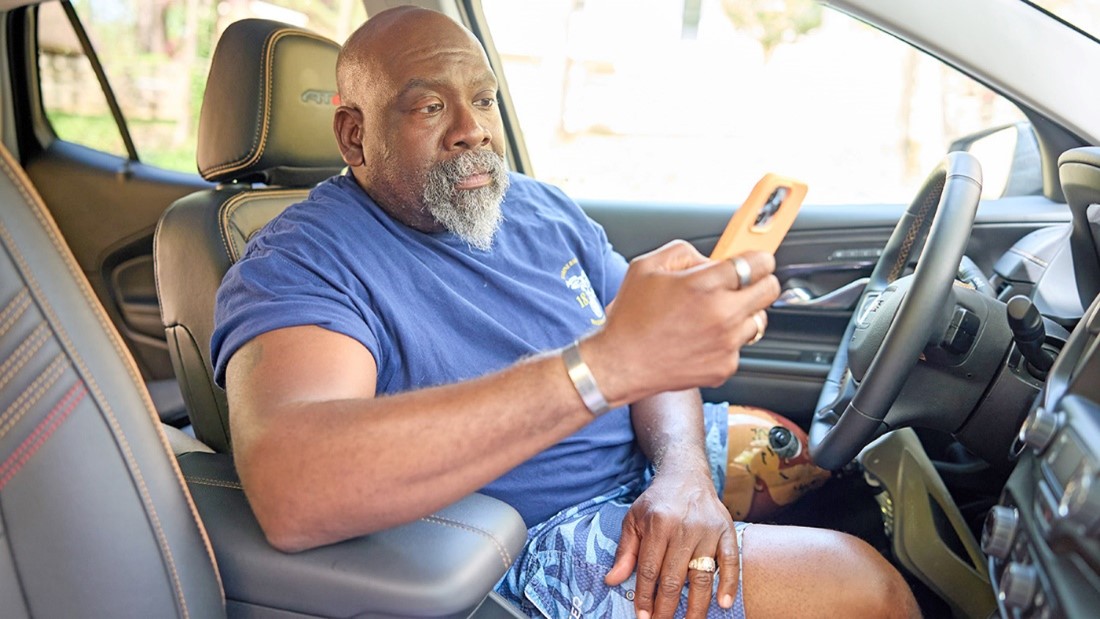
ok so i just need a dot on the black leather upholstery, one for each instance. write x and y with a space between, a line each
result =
95 518
267 110
441 565
266 115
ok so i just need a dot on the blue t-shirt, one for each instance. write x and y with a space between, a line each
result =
432 310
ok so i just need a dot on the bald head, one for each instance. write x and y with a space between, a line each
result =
418 123
392 34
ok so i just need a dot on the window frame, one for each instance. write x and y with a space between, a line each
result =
81 33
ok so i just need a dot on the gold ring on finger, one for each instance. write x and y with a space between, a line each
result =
703 564
759 322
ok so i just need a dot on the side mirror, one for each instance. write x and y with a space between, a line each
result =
1010 159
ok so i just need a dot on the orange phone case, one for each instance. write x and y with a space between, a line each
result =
745 230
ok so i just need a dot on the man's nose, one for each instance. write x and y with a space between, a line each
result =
468 130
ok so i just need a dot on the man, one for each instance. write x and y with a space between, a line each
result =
407 336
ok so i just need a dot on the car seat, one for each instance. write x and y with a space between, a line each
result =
266 119
96 518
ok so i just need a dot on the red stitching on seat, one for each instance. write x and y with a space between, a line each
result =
42 433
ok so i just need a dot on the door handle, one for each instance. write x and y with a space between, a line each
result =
843 298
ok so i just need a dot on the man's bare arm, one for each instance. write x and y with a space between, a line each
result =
322 459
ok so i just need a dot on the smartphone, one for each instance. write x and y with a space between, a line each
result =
763 220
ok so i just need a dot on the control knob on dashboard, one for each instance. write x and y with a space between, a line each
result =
1039 428
999 531
1080 504
1019 584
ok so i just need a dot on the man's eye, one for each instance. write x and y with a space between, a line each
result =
432 108
486 102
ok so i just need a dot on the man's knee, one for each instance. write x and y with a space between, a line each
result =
867 585
798 571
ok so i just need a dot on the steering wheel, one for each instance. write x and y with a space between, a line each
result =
904 309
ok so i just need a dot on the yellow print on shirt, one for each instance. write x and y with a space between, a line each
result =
577 280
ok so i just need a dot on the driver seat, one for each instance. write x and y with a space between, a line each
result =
265 136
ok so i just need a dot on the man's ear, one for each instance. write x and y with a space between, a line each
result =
347 125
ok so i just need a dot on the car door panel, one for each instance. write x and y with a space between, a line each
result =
107 209
829 247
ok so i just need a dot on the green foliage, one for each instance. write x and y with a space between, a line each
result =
773 22
98 132
101 133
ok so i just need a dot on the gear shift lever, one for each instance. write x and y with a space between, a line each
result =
1029 333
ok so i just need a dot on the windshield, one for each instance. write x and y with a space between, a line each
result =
1085 16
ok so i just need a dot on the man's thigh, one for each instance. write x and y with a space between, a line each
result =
793 571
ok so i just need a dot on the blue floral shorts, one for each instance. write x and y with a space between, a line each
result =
560 572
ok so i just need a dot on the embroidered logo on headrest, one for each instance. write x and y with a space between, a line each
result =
321 97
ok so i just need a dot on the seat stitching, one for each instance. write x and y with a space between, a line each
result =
24 353
505 556
206 481
32 394
256 150
42 432
16 307
22 183
104 406
230 207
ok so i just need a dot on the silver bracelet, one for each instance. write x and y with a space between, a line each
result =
583 380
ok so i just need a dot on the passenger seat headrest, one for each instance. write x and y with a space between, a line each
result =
267 111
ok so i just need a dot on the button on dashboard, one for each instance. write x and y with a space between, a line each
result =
999 531
1019 584
1039 428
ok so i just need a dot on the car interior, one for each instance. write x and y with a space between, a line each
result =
942 355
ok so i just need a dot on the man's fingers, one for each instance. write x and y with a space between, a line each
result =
728 568
670 582
651 557
751 267
700 579
755 327
700 585
673 256
626 556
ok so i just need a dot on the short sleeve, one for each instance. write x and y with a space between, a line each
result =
273 288
614 266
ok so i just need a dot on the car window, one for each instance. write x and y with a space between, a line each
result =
156 56
694 101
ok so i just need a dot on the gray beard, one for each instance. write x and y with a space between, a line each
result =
472 215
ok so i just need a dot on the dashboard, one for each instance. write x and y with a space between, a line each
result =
1042 540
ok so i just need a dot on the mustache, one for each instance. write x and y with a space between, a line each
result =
468 163
473 215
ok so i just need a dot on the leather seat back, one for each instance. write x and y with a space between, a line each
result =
95 518
267 119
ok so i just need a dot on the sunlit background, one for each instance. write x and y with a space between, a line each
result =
653 100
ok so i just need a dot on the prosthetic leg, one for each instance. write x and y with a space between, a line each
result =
768 464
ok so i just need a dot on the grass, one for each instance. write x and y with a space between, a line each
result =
152 138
